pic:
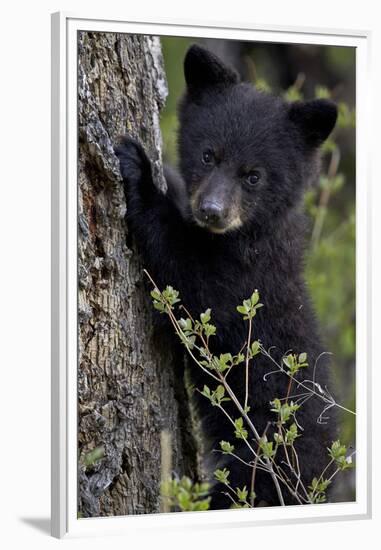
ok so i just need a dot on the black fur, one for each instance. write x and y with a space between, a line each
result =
255 242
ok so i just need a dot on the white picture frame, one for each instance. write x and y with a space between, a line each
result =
64 278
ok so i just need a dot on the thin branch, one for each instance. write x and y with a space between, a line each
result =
247 364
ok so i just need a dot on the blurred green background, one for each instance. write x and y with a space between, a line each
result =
305 72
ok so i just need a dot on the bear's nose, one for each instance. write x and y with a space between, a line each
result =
211 211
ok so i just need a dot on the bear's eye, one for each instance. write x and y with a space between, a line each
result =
252 178
208 157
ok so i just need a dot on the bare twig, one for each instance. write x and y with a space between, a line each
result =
247 364
324 198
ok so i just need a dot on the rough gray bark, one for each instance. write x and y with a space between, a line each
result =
128 389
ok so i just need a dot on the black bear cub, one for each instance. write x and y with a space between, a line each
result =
232 222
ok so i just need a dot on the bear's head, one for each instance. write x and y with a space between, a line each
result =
246 156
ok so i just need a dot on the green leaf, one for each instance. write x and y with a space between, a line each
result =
322 92
337 450
185 495
346 117
267 448
185 324
285 411
293 94
242 494
276 404
329 146
338 453
237 359
292 434
205 317
262 85
220 392
156 294
247 304
302 358
239 423
184 500
255 348
226 447
159 306
206 391
288 361
171 295
188 341
202 505
254 298
317 490
294 363
223 362
222 476
210 330
240 432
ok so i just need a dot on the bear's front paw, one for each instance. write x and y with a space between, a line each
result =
134 164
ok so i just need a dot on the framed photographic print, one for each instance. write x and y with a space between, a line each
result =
210 275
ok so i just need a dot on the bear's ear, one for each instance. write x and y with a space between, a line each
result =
202 69
316 119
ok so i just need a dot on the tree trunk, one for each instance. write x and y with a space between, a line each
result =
128 390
